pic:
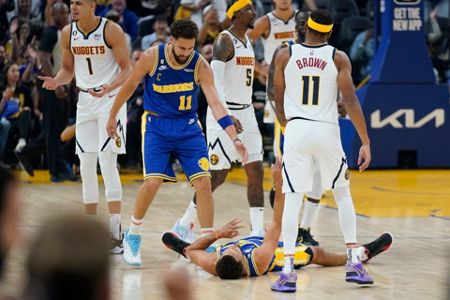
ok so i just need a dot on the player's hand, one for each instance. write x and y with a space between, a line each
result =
242 150
103 91
341 109
364 157
111 128
50 83
237 125
276 171
230 230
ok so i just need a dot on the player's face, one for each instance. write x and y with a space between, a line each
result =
247 16
182 49
282 4
300 22
80 9
234 251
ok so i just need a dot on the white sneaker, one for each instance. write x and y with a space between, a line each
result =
184 233
132 249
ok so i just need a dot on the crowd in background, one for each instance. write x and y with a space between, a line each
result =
31 124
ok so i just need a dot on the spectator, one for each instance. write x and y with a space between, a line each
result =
69 259
5 6
144 8
211 26
161 32
5 126
362 52
438 38
9 213
128 19
115 17
195 7
3 60
16 104
20 40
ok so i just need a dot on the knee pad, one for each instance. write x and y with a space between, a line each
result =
111 177
88 170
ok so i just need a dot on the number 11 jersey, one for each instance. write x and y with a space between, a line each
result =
94 62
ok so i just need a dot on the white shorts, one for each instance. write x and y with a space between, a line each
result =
221 150
92 116
269 112
311 146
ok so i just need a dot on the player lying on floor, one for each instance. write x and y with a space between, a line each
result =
254 256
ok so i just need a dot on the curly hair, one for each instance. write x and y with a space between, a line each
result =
228 267
185 29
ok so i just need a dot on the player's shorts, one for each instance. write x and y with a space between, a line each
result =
311 146
269 112
164 139
90 128
302 257
220 147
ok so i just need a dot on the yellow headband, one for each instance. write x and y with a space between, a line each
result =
237 6
319 27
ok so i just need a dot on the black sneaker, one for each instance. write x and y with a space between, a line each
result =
24 162
381 244
116 245
173 242
304 237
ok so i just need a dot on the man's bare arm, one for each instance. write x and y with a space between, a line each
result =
281 61
66 73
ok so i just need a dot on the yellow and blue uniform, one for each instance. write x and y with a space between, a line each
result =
302 257
170 127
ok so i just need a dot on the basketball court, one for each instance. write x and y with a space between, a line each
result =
413 205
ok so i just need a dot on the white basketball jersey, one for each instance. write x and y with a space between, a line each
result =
94 61
239 70
311 83
279 32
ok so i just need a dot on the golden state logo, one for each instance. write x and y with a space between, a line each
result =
347 174
118 142
203 163
173 88
214 159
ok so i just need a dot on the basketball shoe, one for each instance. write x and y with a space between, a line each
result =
173 242
132 249
381 244
185 233
286 283
355 272
304 237
116 245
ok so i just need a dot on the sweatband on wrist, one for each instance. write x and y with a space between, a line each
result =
225 121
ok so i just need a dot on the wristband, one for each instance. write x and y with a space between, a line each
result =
237 140
225 121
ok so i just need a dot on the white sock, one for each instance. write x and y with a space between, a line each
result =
309 212
352 255
257 220
135 226
114 226
206 231
361 251
288 263
346 212
289 222
189 216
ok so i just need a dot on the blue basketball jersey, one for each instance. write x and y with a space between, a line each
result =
171 91
302 256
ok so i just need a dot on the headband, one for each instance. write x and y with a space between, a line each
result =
237 6
319 27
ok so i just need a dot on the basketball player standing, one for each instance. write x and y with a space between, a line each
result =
275 28
307 79
95 51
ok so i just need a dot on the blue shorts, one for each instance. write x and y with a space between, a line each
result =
167 138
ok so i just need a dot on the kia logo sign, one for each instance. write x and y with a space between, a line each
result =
405 118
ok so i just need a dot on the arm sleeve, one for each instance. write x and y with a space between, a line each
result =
218 69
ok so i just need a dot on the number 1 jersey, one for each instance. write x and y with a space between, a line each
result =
311 83
94 62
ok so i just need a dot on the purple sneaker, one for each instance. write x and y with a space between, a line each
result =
286 283
357 273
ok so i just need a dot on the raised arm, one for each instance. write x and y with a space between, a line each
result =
281 61
206 78
352 106
115 38
144 65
